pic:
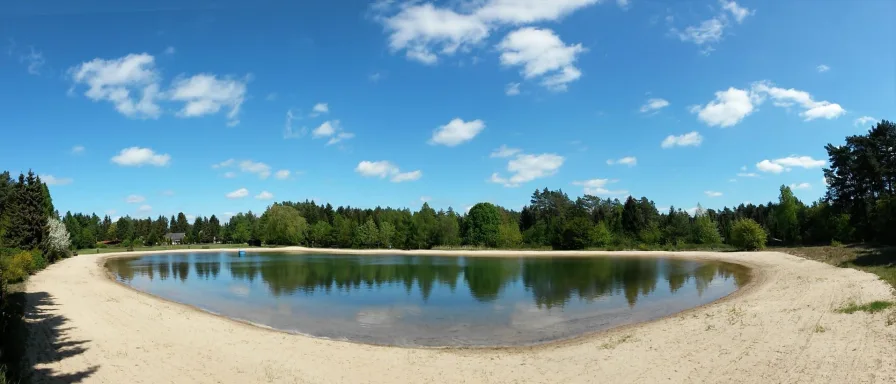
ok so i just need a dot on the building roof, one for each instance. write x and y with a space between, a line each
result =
175 236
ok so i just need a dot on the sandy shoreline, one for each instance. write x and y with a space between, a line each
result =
780 328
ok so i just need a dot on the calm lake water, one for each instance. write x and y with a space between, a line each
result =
428 300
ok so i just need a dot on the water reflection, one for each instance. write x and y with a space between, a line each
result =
548 282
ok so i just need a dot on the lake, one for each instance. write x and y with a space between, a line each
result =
431 300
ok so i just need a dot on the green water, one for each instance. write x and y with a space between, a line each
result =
429 300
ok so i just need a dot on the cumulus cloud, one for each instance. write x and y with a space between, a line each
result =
456 132
264 195
261 169
206 94
712 193
728 108
863 120
53 180
541 53
512 89
34 61
132 199
290 132
504 151
691 139
238 194
144 209
524 168
800 186
383 169
653 105
282 174
747 174
320 109
130 83
138 157
425 32
631 161
787 163
711 31
229 174
812 109
598 187
332 130
822 68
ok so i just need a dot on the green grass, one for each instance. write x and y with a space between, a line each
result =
872 307
880 261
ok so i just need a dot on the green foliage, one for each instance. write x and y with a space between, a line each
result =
38 261
786 223
320 234
283 225
576 233
482 225
509 236
706 231
16 267
872 307
600 235
677 227
748 234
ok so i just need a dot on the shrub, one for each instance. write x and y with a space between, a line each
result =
38 261
101 245
748 234
205 247
16 267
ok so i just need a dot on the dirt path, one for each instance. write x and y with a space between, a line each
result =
782 328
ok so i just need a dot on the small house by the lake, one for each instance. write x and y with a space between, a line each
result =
175 238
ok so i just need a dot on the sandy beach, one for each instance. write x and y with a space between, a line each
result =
782 327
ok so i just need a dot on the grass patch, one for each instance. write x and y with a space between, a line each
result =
819 329
616 341
872 307
880 261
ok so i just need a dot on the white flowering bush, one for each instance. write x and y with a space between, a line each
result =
58 241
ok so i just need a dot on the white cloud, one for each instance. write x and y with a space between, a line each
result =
319 109
729 108
512 89
712 30
375 77
541 53
769 166
863 120
747 174
631 161
333 130
288 131
787 163
282 174
597 187
78 149
53 180
238 194
34 59
119 80
261 169
691 139
800 186
383 169
654 105
788 97
623 3
144 209
525 168
264 195
504 151
133 199
224 164
205 94
138 157
822 68
712 193
170 50
456 132
168 192
229 174
425 31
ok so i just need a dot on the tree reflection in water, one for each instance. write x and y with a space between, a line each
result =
552 282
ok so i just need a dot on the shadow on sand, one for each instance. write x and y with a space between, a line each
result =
39 338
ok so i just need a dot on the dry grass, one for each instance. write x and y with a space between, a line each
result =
880 261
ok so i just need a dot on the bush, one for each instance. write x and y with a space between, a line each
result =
748 234
16 267
38 261
101 245
835 243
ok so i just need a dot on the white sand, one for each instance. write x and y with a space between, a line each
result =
89 327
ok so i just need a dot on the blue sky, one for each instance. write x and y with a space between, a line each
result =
136 107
